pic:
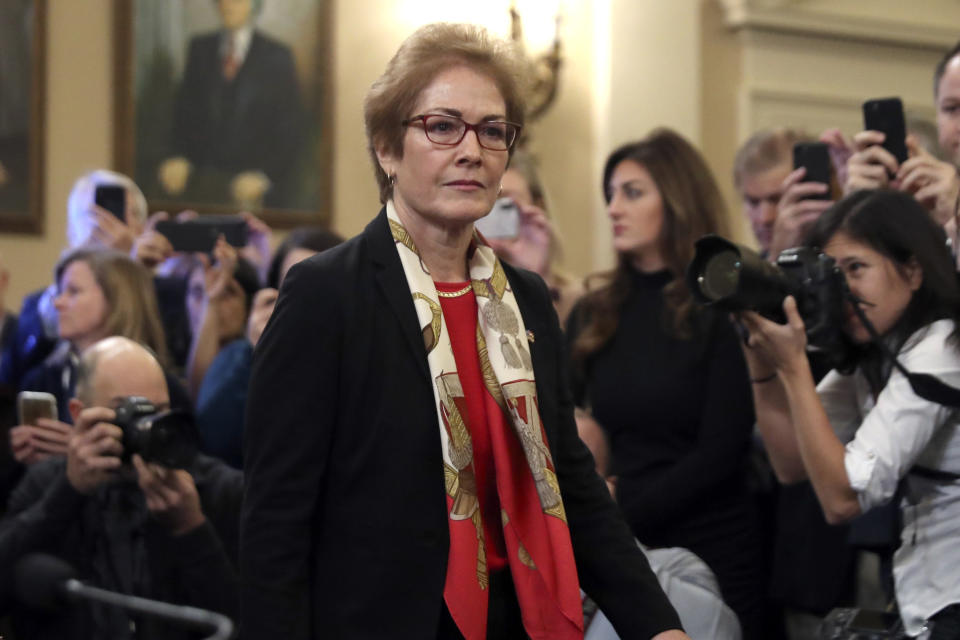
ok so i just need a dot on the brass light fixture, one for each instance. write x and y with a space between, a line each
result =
542 72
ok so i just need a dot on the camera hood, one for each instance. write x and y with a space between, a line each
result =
736 278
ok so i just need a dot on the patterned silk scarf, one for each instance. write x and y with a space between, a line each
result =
534 523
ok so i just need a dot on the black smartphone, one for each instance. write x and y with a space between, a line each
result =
200 234
815 158
886 115
113 198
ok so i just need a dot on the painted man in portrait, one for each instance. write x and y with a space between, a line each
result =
238 117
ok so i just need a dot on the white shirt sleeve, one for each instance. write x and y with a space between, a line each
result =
838 395
897 430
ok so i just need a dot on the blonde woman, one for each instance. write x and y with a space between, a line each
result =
100 293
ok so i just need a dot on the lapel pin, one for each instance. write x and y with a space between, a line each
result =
530 336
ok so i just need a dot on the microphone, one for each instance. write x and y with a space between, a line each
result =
47 583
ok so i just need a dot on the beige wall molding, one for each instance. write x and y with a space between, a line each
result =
808 109
930 24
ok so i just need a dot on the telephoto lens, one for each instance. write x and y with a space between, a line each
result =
735 278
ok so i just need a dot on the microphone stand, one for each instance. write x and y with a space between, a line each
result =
190 616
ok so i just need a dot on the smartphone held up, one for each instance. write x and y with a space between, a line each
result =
814 157
34 405
886 115
503 221
200 234
113 198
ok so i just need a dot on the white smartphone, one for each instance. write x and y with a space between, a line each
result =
503 221
33 405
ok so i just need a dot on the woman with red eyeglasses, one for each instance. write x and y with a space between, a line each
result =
412 463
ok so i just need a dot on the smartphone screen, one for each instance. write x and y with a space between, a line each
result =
113 198
32 405
815 158
503 221
886 115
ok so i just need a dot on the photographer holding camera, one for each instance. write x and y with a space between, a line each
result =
134 527
863 436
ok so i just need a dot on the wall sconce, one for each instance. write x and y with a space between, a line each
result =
542 71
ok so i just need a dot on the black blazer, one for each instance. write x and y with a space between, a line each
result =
344 525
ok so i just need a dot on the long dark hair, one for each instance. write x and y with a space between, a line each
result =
898 227
692 207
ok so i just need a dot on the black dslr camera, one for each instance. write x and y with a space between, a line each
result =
168 438
735 278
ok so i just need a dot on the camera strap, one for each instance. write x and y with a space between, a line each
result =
923 384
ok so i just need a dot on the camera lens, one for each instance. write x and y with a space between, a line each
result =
171 442
720 276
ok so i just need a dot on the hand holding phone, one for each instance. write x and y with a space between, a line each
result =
886 116
33 405
113 198
39 434
814 157
200 234
530 248
503 221
806 195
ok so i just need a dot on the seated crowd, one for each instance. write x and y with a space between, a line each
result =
766 485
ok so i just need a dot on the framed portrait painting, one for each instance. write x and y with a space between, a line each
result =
22 103
224 105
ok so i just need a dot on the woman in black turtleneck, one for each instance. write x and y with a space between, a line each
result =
666 380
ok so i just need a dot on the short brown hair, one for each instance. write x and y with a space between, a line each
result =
430 50
764 150
941 68
132 309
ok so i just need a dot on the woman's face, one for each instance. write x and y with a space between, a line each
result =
636 212
81 306
231 307
883 289
449 185
948 109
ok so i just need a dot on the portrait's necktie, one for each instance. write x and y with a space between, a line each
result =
230 62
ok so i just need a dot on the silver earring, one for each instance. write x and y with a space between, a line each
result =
393 179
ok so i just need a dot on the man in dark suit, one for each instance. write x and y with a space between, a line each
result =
238 116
